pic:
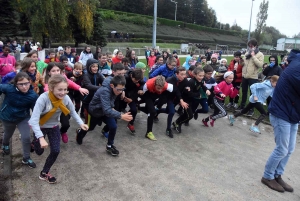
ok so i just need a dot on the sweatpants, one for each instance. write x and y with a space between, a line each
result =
24 129
250 106
54 142
219 107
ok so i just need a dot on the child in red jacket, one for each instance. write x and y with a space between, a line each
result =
222 90
236 66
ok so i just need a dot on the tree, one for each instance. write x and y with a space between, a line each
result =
227 26
275 34
10 19
261 19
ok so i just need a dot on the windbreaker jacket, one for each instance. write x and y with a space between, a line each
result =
262 91
164 71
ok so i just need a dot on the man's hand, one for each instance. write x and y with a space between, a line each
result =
252 53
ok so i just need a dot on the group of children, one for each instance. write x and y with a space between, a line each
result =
102 89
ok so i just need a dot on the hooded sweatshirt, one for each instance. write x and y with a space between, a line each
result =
271 70
262 91
91 81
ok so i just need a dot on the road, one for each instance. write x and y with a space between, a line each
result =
219 163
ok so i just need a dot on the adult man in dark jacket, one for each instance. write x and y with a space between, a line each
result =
284 116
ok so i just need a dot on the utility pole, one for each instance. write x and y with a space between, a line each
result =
250 22
154 25
175 8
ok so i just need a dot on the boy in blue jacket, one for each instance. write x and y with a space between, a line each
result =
166 70
101 108
260 92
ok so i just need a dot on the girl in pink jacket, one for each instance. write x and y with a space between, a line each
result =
222 90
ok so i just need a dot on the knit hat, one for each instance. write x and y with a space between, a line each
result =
60 48
223 60
214 56
140 65
174 52
227 74
115 52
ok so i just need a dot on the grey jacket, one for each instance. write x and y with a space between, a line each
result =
44 105
103 102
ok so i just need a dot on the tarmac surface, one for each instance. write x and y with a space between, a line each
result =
220 163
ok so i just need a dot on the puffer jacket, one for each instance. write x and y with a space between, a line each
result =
285 102
164 71
262 91
238 71
103 102
251 66
91 81
16 105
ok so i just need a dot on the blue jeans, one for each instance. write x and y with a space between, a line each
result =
285 139
111 123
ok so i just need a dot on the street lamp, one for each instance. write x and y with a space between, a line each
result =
175 7
250 22
154 24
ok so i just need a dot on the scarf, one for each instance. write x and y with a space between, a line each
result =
56 103
32 76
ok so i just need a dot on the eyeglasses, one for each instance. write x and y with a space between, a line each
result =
23 84
119 90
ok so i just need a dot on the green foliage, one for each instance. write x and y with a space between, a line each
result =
10 19
98 36
110 15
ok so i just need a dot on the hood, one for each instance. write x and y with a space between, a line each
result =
276 59
106 82
89 63
294 54
188 58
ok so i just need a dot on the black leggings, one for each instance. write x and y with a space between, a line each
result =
185 117
54 142
250 106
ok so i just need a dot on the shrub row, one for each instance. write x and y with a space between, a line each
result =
110 15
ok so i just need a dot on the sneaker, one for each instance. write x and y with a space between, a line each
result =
155 119
29 162
47 177
229 105
177 127
212 123
250 113
235 106
196 115
187 124
131 128
272 184
205 122
231 119
150 136
169 133
112 150
6 149
105 134
285 186
78 138
254 129
64 137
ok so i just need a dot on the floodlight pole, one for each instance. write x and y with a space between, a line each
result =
154 25
250 22
175 8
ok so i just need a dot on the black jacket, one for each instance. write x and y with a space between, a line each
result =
275 70
131 88
91 81
178 87
195 91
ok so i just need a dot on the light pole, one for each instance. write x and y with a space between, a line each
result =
154 25
175 7
250 22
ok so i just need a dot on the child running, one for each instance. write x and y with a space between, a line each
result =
222 90
15 112
45 119
260 92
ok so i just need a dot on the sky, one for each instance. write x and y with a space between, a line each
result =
284 15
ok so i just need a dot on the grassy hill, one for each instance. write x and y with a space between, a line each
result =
167 30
